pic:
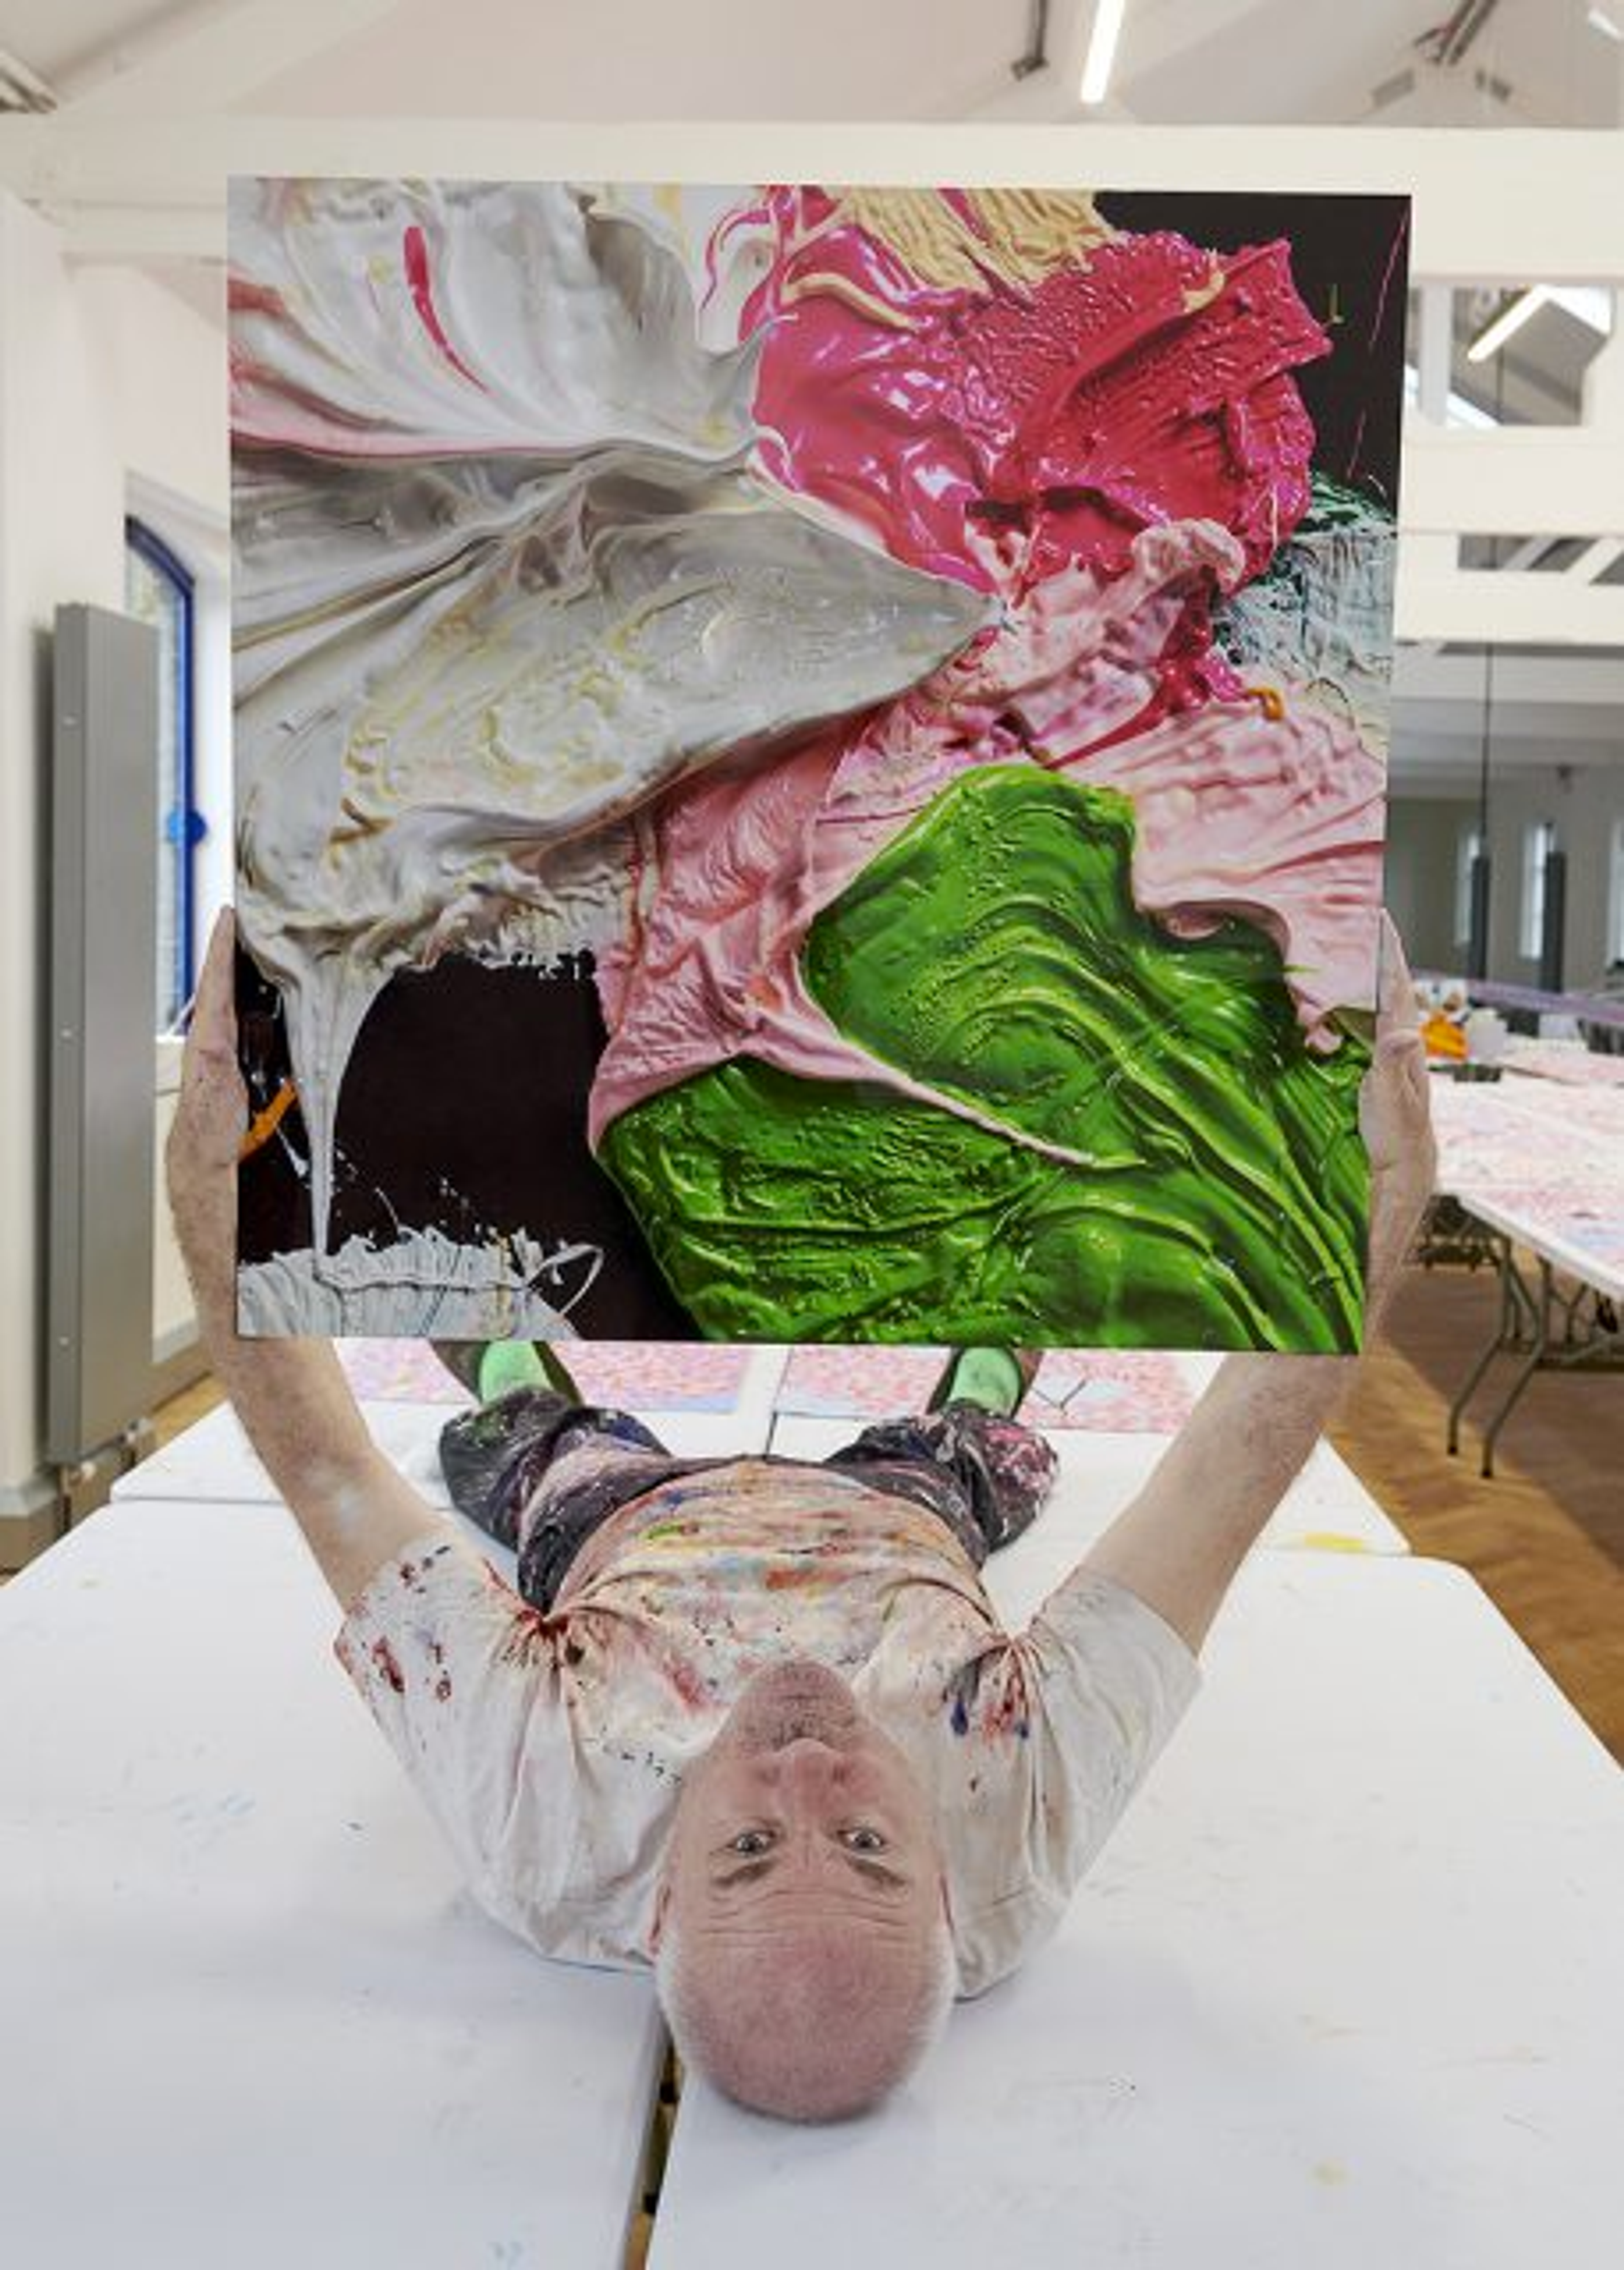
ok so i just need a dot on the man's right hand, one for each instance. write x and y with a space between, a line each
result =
1395 1119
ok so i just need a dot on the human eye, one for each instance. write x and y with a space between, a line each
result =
750 1844
862 1839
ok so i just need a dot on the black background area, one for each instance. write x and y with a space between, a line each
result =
464 1108
1348 262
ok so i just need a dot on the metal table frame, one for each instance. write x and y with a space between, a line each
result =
1550 1322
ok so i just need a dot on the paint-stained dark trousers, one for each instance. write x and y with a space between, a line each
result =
541 1474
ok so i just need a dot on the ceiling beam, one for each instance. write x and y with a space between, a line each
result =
211 56
1596 558
1525 480
1591 683
126 235
1487 605
1474 219
1473 210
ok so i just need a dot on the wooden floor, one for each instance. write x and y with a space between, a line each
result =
1545 1537
185 1409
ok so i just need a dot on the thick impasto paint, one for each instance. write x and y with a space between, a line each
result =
810 760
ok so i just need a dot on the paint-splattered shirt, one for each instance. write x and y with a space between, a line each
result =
551 1748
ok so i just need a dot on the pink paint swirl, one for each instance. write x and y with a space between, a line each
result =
1109 449
1147 382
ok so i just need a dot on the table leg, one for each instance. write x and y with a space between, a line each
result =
1503 1337
1538 1314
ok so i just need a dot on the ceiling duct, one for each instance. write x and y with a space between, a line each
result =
22 89
1449 43
1392 90
1036 55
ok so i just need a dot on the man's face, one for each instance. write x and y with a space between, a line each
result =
802 1816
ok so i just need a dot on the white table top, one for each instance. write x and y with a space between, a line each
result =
1344 1990
1552 1229
1495 1134
1327 1506
212 1460
247 2014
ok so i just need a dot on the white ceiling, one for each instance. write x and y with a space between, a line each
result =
1181 62
56 37
1214 62
1321 62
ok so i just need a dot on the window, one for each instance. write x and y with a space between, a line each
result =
1615 896
1538 842
158 590
1468 848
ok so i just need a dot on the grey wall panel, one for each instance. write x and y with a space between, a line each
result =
104 917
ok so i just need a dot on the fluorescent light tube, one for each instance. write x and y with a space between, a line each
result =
1507 322
1598 21
1102 40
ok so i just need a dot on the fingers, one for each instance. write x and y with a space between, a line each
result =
1397 1012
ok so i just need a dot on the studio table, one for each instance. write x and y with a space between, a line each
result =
1539 1163
249 2015
1343 1990
1099 1467
1327 1506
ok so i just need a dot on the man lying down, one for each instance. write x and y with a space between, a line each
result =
754 1721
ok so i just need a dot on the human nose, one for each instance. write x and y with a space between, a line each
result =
807 1767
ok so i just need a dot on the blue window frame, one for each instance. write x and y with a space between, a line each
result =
159 589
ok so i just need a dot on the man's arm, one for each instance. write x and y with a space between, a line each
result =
1180 1542
355 1510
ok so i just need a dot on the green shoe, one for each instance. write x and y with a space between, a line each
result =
489 1368
504 1365
995 1378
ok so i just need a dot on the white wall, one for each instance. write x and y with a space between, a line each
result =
104 379
1586 804
1423 834
1585 807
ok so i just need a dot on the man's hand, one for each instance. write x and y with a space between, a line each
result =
1395 1119
355 1510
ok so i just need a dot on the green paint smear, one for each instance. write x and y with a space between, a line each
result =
993 950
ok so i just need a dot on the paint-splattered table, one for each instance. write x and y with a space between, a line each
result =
1567 1062
1343 1990
1327 1506
1540 1166
249 2017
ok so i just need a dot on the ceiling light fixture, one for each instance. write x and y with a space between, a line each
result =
1102 40
1598 21
1507 322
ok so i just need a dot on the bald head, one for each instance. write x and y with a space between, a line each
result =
812 2027
802 1951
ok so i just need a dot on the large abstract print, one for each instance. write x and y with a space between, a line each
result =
810 760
